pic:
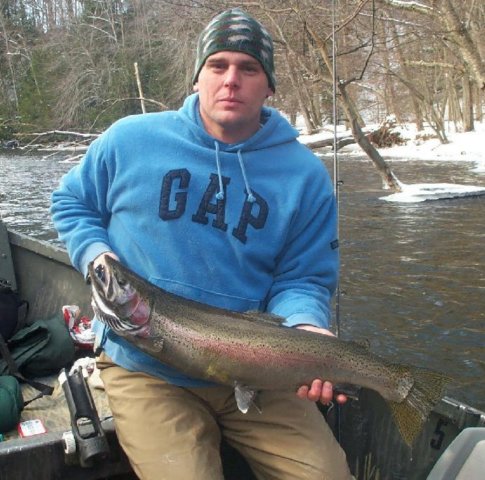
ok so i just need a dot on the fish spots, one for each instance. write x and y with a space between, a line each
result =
255 354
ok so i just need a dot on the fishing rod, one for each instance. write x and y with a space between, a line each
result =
336 180
336 189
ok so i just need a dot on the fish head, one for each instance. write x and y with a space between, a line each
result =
116 301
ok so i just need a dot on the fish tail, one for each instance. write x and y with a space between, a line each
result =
411 413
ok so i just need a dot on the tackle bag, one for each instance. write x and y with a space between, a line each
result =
42 348
13 311
11 403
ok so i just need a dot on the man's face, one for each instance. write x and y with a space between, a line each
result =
232 88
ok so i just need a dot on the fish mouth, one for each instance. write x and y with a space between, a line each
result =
116 303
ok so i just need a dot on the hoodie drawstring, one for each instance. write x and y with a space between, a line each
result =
251 197
220 194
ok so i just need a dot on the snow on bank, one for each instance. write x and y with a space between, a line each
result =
421 192
462 147
467 146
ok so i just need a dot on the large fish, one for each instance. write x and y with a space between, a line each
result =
252 351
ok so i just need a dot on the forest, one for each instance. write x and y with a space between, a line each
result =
79 65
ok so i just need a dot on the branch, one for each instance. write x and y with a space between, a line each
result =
114 102
109 35
61 132
55 132
321 44
411 6
422 63
351 17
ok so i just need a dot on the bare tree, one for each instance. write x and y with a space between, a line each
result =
7 56
420 60
322 72
449 25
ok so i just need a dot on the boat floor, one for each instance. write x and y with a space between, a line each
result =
52 410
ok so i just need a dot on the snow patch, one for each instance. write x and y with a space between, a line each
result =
421 192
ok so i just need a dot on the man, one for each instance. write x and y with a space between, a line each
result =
219 203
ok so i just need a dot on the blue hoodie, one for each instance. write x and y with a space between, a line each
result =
247 226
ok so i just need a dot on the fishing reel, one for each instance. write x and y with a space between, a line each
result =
87 436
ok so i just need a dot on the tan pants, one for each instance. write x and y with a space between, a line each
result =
174 433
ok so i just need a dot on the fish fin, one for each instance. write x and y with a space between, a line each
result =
411 413
245 397
264 317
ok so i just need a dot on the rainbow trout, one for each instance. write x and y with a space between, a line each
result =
252 351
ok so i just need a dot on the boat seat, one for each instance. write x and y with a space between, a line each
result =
464 459
7 273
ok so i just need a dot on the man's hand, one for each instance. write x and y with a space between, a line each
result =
319 391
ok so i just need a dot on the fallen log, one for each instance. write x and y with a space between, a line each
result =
328 142
54 140
384 136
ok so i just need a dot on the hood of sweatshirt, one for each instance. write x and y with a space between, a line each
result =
275 129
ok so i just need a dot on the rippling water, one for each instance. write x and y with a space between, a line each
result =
26 184
413 275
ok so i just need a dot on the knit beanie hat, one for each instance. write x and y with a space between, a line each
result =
234 30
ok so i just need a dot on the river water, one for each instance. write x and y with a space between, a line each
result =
412 277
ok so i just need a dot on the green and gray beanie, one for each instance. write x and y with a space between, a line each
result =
234 30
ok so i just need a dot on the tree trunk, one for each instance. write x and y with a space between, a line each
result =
456 28
294 82
454 113
478 97
418 112
468 125
140 89
468 49
389 93
9 61
388 178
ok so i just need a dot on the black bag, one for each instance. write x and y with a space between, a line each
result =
13 315
13 311
40 349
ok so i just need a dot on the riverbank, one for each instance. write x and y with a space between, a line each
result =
424 146
421 145
418 145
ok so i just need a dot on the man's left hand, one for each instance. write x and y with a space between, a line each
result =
320 390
